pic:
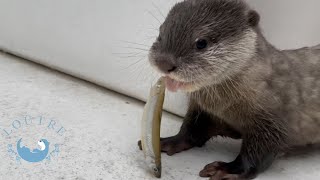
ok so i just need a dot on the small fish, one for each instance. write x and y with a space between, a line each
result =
150 139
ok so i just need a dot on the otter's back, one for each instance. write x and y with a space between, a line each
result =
303 92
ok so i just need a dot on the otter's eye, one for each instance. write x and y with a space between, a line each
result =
201 44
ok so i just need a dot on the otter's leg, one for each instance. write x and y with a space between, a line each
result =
261 144
198 127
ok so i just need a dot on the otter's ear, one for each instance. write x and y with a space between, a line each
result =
253 18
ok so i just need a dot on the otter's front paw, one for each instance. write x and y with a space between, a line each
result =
219 171
174 144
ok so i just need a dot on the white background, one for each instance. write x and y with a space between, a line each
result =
85 38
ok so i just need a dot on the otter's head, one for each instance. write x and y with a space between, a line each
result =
203 42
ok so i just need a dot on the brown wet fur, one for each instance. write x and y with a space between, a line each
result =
197 129
243 86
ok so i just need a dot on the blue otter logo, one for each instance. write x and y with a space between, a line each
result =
21 148
36 155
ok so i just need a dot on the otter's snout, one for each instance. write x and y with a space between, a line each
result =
165 64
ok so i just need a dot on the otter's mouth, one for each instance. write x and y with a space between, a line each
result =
175 85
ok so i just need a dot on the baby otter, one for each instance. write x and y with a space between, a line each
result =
239 85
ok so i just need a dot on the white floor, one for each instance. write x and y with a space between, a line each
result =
101 132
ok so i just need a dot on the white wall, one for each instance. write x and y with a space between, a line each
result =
289 23
85 37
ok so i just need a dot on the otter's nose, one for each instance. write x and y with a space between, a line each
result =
166 66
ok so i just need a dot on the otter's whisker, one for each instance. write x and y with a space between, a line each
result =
158 10
136 62
129 42
154 17
136 48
